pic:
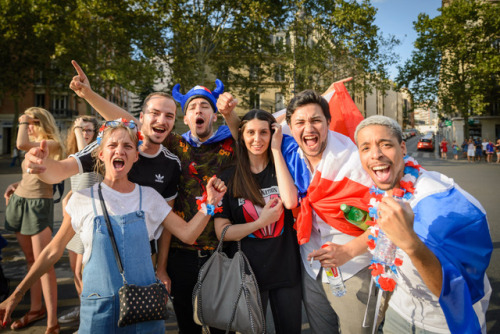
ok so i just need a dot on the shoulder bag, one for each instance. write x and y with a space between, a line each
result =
226 295
133 298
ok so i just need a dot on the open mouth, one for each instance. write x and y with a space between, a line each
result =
159 130
200 121
382 173
118 163
310 140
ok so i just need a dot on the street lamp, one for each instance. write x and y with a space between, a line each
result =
299 15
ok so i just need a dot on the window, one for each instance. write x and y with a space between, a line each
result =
279 76
59 102
254 100
40 100
254 72
279 101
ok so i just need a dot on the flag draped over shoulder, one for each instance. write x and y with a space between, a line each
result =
453 225
339 179
345 114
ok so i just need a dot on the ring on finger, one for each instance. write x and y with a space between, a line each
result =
380 214
28 170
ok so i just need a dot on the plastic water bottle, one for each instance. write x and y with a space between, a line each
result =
385 251
337 286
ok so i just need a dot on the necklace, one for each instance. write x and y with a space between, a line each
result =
383 273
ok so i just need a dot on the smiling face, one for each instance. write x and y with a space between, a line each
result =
381 155
158 119
257 136
200 118
118 153
309 128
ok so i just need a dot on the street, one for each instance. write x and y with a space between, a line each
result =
480 179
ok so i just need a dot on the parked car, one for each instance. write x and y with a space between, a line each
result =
426 143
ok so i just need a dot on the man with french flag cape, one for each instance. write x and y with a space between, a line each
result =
441 231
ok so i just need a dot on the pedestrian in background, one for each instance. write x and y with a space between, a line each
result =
479 149
465 144
497 150
490 149
484 145
30 214
455 149
82 133
471 149
444 149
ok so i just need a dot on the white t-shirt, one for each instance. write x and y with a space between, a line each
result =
82 215
321 232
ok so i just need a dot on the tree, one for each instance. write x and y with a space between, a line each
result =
248 44
333 39
456 58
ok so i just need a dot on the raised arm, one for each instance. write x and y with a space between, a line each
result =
288 190
49 170
108 110
188 232
23 141
396 220
226 104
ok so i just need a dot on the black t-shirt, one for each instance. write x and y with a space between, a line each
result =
160 171
273 251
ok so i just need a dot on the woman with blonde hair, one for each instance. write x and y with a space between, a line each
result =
82 133
137 215
30 214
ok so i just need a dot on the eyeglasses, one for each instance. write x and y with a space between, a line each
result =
88 130
114 124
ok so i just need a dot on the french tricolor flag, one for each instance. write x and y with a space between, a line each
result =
339 178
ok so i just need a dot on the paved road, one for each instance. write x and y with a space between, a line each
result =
481 180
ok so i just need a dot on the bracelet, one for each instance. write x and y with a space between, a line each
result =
77 127
207 208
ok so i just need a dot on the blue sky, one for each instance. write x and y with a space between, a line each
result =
396 17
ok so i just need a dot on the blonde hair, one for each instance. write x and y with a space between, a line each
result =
71 144
99 167
46 129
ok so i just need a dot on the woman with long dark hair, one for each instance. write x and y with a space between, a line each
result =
253 208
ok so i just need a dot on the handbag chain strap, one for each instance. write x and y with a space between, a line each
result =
111 234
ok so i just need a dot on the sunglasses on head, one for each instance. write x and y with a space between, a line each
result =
114 124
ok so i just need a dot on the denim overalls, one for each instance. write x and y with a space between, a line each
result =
100 307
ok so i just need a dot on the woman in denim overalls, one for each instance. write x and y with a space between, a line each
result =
101 278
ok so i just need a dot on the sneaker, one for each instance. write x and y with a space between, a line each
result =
73 315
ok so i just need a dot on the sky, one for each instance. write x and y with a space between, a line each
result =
396 17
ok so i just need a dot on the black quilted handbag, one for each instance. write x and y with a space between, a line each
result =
137 303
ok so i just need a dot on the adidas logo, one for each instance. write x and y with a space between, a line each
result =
159 178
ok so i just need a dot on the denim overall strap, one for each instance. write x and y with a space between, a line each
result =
101 278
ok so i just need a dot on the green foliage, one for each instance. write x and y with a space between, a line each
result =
249 44
456 58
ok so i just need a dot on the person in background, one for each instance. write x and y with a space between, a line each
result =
444 149
441 230
137 215
30 214
82 133
497 150
484 145
465 144
471 149
479 149
455 149
253 208
490 149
